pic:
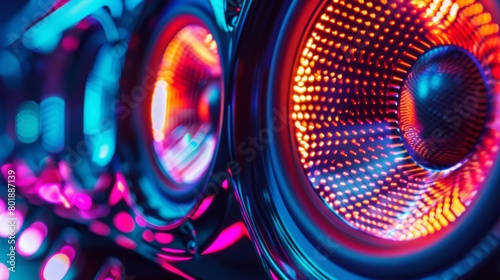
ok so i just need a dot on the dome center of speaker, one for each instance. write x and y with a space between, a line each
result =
442 108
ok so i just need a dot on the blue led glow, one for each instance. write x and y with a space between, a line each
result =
100 91
62 19
52 114
27 122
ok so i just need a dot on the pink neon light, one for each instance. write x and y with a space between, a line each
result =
174 258
31 239
83 25
124 222
56 267
173 251
125 242
103 182
227 237
164 238
99 211
99 228
148 236
64 170
119 190
68 251
225 185
140 221
175 270
28 179
51 192
116 196
203 207
4 272
70 43
82 201
273 276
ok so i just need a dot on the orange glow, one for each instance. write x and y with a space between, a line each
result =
186 104
344 104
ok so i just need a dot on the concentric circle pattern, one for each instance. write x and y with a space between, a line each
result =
438 131
353 107
186 105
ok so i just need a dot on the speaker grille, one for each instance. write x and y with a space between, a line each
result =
353 107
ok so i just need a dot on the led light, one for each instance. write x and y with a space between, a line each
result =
52 115
56 267
186 105
391 115
28 122
31 239
99 122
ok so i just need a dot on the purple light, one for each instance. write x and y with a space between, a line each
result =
32 239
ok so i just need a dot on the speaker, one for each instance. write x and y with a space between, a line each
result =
122 123
367 138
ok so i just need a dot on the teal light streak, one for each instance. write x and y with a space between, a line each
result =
99 120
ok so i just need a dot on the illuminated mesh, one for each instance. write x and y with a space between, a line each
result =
186 105
362 116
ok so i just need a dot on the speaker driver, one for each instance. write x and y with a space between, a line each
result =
186 107
391 126
374 124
